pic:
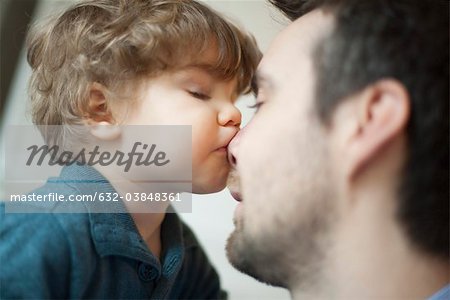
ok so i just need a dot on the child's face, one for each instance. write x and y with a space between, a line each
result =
193 96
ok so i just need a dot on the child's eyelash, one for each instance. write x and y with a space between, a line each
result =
199 95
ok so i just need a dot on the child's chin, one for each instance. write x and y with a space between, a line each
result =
208 188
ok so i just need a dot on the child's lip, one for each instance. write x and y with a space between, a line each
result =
227 142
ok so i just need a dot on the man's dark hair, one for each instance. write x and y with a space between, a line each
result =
406 40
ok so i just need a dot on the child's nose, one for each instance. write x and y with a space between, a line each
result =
229 115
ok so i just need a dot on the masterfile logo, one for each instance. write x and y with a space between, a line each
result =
147 157
156 160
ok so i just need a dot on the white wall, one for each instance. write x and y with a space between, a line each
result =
211 217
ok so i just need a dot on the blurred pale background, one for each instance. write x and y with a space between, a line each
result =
211 217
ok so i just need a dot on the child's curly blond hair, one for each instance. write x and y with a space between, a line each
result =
117 43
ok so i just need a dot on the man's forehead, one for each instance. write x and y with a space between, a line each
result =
304 33
300 37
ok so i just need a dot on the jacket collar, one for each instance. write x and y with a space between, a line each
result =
115 233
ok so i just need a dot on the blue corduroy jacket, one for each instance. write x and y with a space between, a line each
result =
49 254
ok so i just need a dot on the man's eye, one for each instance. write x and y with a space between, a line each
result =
256 106
199 95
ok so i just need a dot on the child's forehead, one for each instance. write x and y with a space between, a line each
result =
206 61
211 61
214 62
210 55
202 70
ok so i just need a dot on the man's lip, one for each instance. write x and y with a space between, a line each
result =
236 196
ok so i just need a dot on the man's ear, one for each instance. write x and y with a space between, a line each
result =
98 114
381 113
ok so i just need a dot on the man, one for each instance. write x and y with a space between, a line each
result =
342 176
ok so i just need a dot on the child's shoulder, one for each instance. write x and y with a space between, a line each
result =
189 238
38 227
45 244
37 221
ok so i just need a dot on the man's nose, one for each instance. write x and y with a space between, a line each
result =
233 148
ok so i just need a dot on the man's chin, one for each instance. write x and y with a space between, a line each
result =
242 254
235 249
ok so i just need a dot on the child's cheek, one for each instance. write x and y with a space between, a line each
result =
199 151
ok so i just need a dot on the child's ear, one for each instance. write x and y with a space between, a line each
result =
99 116
97 109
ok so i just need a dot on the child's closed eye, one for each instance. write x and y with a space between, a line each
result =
199 95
